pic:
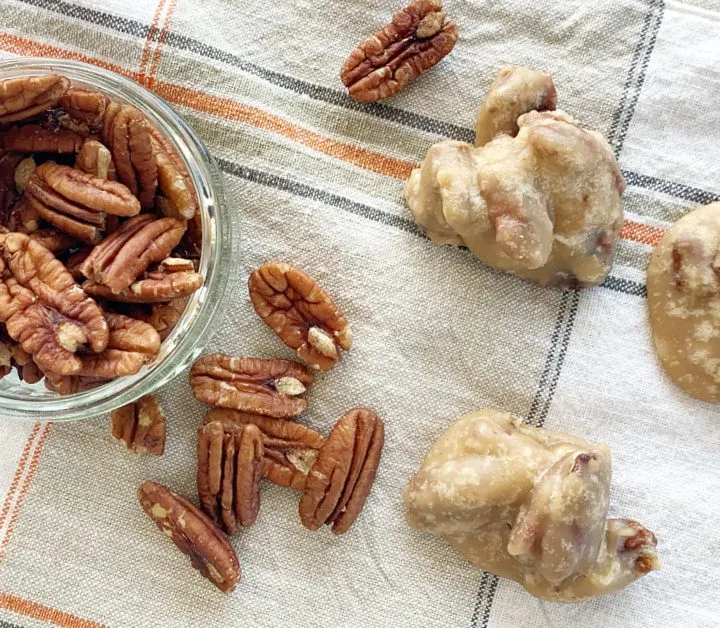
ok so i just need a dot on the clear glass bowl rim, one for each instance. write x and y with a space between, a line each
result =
184 343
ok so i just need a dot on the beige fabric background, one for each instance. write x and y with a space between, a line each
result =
316 179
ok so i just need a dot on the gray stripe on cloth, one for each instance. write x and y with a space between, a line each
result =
620 124
366 211
565 321
4 624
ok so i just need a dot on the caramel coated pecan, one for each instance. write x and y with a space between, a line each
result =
132 344
95 159
140 426
126 133
33 138
267 387
85 105
300 313
26 96
194 533
124 255
44 309
76 202
341 478
417 39
290 448
229 467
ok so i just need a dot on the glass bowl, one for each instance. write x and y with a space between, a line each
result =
183 344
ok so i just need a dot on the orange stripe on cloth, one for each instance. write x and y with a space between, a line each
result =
15 516
161 43
232 110
24 456
148 42
41 612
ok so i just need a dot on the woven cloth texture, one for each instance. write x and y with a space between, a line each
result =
316 179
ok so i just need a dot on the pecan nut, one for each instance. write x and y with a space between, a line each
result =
54 241
84 105
70 384
23 172
341 478
126 133
163 317
300 313
290 448
132 344
417 38
95 159
124 255
173 177
140 426
33 138
26 96
194 533
154 287
43 307
251 384
76 202
228 474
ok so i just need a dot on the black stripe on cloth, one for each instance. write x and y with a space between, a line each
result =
99 18
4 624
371 213
671 188
486 593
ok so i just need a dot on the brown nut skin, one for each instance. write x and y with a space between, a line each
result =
33 138
43 307
163 317
341 478
26 96
194 533
155 287
249 384
84 105
70 384
124 255
173 178
290 448
54 241
417 38
300 312
126 133
229 468
140 426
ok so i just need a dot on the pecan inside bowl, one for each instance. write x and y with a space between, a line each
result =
112 227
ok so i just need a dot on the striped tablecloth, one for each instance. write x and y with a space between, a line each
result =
317 179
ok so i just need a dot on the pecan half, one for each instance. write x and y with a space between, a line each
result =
124 255
155 287
26 96
70 384
44 309
251 384
300 313
30 372
33 138
76 202
290 448
229 467
95 159
417 39
140 426
174 180
161 316
126 133
341 478
193 532
132 344
85 105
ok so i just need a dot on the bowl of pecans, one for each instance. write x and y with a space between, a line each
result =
115 241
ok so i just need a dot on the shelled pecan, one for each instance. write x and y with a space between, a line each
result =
267 387
26 96
124 255
23 172
173 178
290 448
417 38
43 307
343 473
54 241
163 317
76 202
140 426
85 105
33 138
229 467
300 312
193 532
154 287
95 159
126 133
